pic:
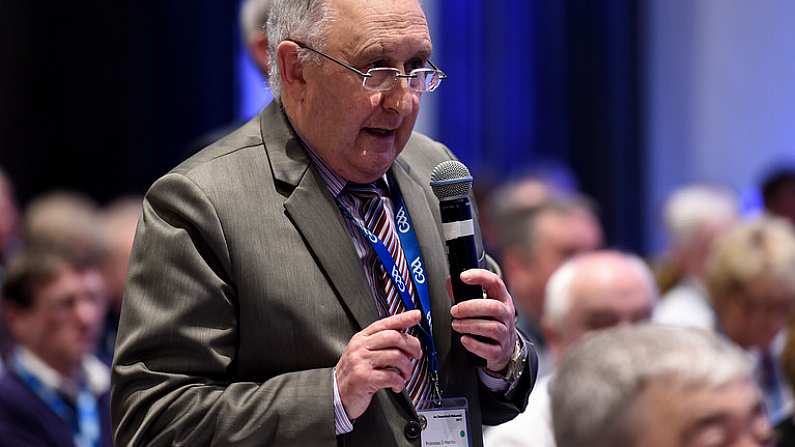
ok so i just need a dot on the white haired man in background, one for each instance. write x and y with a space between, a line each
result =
695 216
253 19
659 386
590 292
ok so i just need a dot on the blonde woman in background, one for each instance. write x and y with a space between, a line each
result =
751 282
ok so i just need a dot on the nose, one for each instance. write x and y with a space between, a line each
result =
399 98
89 310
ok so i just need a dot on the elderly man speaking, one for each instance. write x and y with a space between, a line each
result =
258 310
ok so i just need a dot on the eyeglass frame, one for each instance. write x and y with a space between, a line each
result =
410 75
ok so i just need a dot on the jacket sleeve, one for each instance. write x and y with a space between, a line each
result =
499 407
174 379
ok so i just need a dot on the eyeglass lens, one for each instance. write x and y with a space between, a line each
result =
382 80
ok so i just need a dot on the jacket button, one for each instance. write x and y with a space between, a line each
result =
412 430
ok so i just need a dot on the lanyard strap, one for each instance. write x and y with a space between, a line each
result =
411 250
85 426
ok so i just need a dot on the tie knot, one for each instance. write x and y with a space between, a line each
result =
365 191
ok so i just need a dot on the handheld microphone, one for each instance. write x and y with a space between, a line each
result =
451 183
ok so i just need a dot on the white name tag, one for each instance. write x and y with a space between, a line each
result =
445 425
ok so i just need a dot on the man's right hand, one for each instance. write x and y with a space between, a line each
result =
380 356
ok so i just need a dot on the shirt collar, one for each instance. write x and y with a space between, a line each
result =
95 374
334 182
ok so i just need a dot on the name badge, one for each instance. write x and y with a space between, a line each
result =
444 423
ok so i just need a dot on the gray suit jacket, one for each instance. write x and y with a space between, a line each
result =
244 289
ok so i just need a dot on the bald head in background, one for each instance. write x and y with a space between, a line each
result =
590 292
594 291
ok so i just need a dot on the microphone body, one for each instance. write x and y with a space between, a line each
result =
461 248
451 183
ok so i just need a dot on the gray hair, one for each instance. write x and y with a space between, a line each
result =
307 21
517 227
557 297
253 17
601 377
692 207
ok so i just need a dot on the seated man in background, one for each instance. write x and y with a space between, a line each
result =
694 216
778 193
67 221
751 281
785 429
9 220
119 220
9 240
589 292
534 242
53 391
656 386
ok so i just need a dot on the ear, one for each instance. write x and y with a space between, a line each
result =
16 321
515 267
553 340
291 69
258 48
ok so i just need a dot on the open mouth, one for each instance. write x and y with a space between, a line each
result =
379 132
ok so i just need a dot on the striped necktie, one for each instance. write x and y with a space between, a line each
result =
378 219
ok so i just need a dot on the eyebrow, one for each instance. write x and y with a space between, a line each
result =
700 424
380 51
719 418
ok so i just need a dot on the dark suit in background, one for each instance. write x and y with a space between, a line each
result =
26 421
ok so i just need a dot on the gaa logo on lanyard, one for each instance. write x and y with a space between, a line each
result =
417 271
398 279
402 220
372 237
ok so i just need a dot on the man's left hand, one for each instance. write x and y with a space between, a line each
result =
493 318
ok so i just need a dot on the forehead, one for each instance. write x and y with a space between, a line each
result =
372 28
65 282
611 285
689 410
573 227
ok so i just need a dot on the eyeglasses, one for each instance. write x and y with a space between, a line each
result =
382 79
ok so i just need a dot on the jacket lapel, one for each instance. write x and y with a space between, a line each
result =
315 215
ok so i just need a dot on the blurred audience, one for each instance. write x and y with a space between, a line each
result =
694 216
751 281
119 221
785 430
9 243
592 291
534 242
71 223
53 392
656 386
253 22
67 221
778 193
542 182
9 220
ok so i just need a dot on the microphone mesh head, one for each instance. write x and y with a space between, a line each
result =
451 180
